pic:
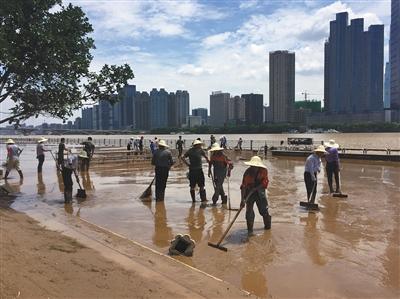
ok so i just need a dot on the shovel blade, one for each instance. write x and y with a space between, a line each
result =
309 205
81 193
342 195
218 246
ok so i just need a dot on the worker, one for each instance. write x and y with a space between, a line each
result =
68 167
255 181
162 160
196 175
223 142
239 144
141 144
129 146
60 153
332 165
40 150
179 146
212 140
13 153
88 147
222 166
311 169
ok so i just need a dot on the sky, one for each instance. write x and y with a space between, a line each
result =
205 46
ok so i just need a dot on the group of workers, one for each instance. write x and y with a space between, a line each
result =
254 182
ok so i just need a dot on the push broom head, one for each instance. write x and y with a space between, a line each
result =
218 246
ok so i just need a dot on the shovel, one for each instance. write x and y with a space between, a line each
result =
81 192
57 166
218 245
147 192
229 197
307 204
339 194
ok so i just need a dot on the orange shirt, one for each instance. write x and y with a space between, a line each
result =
255 176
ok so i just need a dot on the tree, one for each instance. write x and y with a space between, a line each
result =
44 61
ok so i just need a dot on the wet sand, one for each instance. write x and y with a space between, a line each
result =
350 249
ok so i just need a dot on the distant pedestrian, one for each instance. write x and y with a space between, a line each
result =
129 146
68 167
136 145
162 160
152 147
221 166
88 147
40 150
212 140
155 143
179 145
13 153
141 144
311 169
332 165
223 141
239 144
60 154
196 175
255 179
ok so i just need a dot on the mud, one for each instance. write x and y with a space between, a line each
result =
350 248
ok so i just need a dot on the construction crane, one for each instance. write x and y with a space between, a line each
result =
306 94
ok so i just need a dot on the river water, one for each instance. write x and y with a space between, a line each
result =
349 249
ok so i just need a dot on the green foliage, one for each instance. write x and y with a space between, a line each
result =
45 57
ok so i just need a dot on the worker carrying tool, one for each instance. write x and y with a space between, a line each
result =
68 167
311 169
255 177
13 153
222 166
332 165
162 160
196 175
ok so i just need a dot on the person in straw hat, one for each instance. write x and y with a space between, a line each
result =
196 175
311 169
13 152
82 160
61 151
332 164
162 160
255 178
40 150
69 165
222 166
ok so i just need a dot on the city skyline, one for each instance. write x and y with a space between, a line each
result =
203 46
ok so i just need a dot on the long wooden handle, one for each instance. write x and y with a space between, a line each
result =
77 179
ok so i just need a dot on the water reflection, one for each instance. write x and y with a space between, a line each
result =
14 187
60 182
162 232
196 222
41 187
87 183
312 239
68 208
218 221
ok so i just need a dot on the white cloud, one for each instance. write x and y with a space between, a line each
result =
216 39
190 69
246 4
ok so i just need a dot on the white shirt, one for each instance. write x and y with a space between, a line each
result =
313 165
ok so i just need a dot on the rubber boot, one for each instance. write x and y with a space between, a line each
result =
214 199
267 221
203 195
160 196
224 199
21 175
6 174
193 195
250 228
67 196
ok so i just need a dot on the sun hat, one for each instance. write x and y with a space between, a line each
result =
196 142
215 147
132 138
320 149
10 141
162 143
256 161
331 143
42 139
83 154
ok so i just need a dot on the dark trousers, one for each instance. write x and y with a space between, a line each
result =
41 161
68 183
161 181
219 188
260 199
180 150
311 190
332 168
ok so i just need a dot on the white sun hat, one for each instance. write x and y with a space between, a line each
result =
162 143
42 139
320 149
215 147
331 143
196 142
10 141
83 154
256 161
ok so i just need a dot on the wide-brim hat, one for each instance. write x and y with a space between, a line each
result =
320 149
256 162
331 143
196 142
10 141
83 154
215 147
162 143
42 139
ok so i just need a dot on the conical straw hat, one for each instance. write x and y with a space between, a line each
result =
10 141
256 161
215 147
162 143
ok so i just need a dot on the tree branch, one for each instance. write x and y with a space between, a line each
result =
13 117
4 80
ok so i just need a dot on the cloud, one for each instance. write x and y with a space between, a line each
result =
246 4
216 40
190 69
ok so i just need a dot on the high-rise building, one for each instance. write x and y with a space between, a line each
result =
254 108
127 107
105 115
96 118
87 118
183 102
142 110
173 111
158 108
395 55
202 112
386 88
237 110
219 108
281 85
116 116
353 67
78 123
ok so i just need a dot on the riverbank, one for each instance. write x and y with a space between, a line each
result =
40 263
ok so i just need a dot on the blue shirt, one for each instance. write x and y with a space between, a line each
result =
332 155
313 165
